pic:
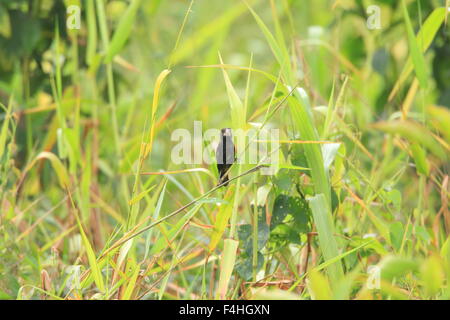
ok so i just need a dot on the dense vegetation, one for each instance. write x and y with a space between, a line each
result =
93 207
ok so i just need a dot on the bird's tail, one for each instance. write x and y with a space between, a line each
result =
224 180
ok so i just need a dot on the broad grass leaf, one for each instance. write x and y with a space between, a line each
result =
424 38
327 241
227 262
238 116
415 53
95 268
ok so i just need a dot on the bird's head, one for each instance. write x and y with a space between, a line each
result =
225 132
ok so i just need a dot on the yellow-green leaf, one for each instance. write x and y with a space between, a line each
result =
226 266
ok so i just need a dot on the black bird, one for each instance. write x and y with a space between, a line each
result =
225 155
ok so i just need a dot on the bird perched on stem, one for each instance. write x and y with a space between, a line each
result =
225 155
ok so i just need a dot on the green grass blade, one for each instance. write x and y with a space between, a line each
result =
4 131
123 31
93 264
132 281
91 47
226 267
57 165
327 241
424 38
280 53
238 116
415 53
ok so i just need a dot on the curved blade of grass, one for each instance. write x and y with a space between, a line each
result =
57 165
280 52
96 272
93 264
188 11
159 81
123 31
424 39
415 53
238 115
